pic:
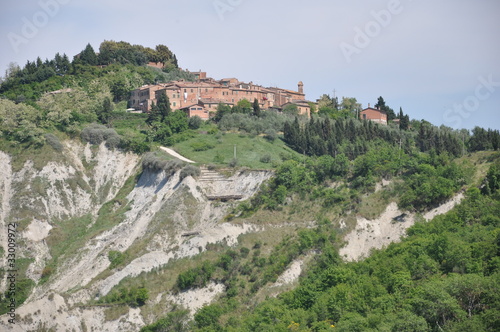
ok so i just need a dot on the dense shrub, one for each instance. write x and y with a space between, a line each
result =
233 163
189 170
134 296
208 315
135 144
195 277
266 159
23 287
96 134
176 321
195 122
201 146
430 186
54 142
270 134
156 164
218 158
268 123
116 258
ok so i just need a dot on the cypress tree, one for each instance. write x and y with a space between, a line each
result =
256 108
88 56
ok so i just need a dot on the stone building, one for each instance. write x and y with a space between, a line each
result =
208 93
373 114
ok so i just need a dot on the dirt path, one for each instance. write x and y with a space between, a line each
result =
176 155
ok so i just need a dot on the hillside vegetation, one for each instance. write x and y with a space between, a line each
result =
131 236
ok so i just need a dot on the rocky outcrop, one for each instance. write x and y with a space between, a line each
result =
160 209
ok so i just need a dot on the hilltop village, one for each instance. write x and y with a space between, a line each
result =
202 96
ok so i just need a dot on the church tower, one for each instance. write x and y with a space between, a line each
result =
301 87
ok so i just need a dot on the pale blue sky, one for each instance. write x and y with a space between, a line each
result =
438 60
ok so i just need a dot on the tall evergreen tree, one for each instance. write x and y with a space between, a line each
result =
88 56
382 106
163 106
404 120
256 108
104 114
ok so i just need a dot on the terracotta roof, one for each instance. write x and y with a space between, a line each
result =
285 90
197 105
374 109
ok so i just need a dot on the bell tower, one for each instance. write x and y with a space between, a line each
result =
301 87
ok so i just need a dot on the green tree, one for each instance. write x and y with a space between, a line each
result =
409 322
160 111
404 120
164 53
256 108
222 109
437 306
208 316
175 321
160 131
382 106
350 105
177 121
243 106
492 180
325 101
163 106
291 109
88 56
195 122
104 114
62 64
141 296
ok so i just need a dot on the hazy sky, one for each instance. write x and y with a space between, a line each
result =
438 60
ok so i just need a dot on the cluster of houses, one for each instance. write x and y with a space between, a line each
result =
201 97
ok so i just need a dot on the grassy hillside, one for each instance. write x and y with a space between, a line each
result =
251 151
